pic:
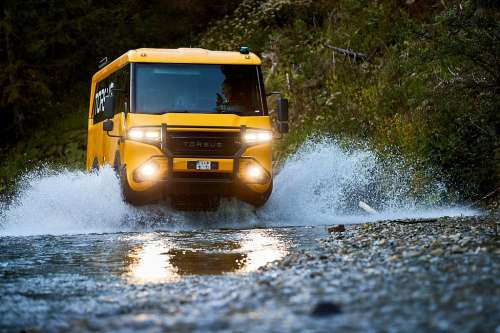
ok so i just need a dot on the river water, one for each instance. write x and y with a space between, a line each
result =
74 256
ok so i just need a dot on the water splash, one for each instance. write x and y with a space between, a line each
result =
65 202
321 184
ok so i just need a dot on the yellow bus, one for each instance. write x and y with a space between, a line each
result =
186 125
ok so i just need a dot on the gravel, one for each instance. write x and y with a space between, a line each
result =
432 275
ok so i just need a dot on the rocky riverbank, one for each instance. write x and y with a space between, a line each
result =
434 275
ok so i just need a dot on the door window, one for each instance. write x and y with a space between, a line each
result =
117 84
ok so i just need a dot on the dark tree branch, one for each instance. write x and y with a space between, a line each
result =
356 56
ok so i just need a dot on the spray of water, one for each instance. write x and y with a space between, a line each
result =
321 184
65 202
324 183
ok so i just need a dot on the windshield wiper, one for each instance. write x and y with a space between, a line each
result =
170 111
229 109
231 112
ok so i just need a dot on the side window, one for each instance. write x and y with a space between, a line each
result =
101 92
117 84
121 81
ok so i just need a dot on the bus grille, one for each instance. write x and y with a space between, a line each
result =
222 144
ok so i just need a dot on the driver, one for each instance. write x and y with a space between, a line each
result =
229 101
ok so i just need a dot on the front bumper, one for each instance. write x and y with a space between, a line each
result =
177 179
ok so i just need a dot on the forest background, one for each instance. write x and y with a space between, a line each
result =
418 77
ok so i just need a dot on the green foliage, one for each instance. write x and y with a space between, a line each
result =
49 49
429 89
61 143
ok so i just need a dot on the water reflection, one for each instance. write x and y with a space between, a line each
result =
188 262
150 264
261 248
165 258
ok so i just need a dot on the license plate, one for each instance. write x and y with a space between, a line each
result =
203 165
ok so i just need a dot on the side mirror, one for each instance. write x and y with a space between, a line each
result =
109 107
107 125
283 115
282 109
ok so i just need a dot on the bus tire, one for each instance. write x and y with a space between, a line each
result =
129 195
117 164
95 165
132 197
259 199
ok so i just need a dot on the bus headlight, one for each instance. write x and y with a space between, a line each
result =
145 134
257 136
252 173
255 173
147 171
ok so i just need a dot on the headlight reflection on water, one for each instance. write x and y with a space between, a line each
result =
164 260
261 248
150 263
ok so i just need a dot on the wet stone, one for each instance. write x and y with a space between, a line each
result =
437 252
457 249
323 309
411 254
336 228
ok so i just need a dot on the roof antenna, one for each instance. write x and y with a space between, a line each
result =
103 62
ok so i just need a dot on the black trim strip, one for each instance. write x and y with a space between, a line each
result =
132 88
217 127
168 154
200 180
262 93
201 126
205 157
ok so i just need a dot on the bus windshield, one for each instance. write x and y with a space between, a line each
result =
198 88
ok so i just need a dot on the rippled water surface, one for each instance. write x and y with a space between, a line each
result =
48 281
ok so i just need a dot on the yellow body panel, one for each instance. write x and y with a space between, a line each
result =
104 149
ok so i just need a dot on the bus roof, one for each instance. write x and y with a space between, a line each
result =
180 55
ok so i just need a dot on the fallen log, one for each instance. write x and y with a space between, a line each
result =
356 56
364 206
